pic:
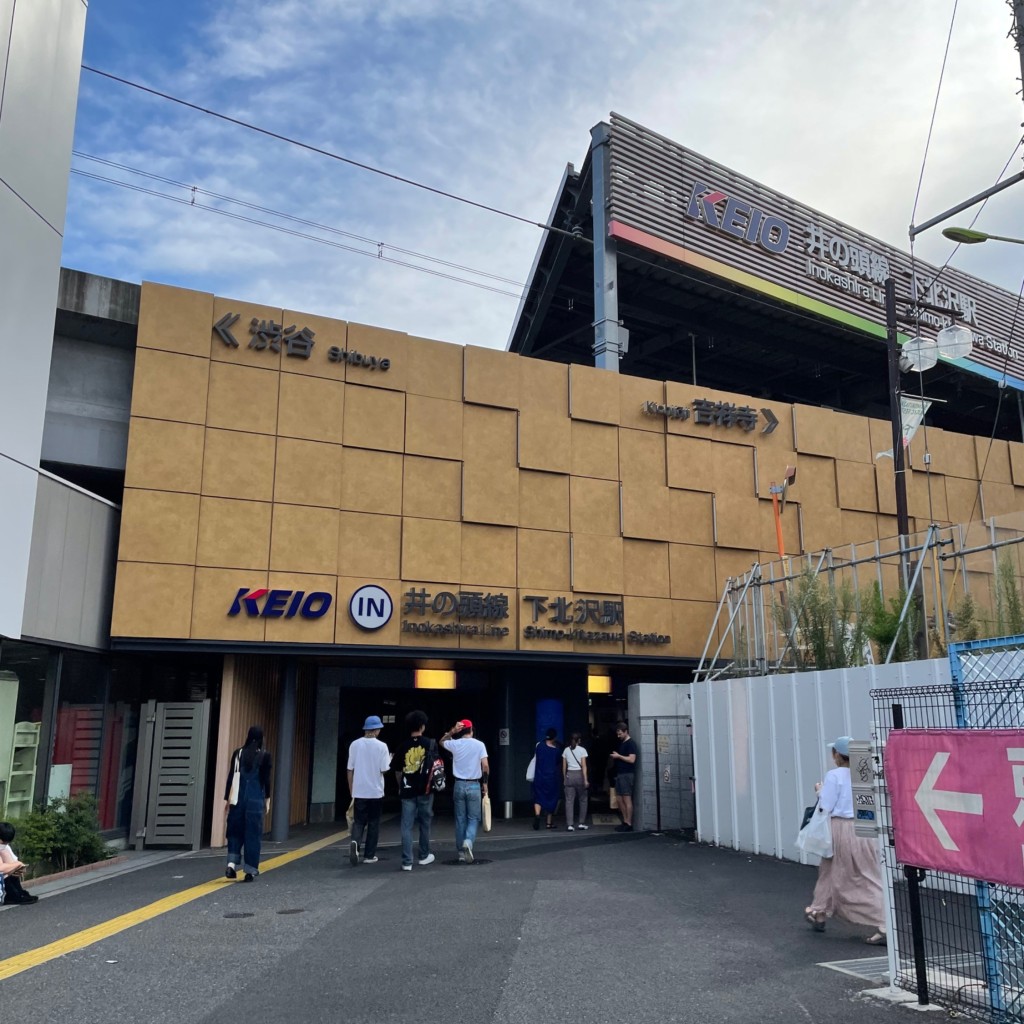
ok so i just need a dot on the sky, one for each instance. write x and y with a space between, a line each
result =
828 102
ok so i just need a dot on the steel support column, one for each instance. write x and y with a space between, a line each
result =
281 810
611 339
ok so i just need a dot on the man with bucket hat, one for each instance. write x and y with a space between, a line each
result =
368 760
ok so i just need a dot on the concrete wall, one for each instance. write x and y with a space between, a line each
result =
40 54
760 745
71 566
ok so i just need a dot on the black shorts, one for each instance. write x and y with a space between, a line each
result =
624 783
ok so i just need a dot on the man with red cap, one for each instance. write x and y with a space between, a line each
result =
470 768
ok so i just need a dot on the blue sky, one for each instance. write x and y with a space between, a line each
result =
826 101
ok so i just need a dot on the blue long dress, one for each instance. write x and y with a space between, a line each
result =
547 778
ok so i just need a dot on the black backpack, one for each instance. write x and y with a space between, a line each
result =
434 768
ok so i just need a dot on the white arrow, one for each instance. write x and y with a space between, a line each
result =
932 800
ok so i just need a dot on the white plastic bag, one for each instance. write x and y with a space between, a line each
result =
816 836
531 769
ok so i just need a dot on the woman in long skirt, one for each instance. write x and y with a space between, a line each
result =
246 799
547 779
850 881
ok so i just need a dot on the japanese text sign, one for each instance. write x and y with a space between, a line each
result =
958 800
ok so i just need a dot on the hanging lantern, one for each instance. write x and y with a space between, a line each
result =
921 353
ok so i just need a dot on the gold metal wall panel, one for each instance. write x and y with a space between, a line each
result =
433 427
926 497
597 564
733 472
730 563
545 441
164 456
999 498
328 334
312 408
737 522
820 527
544 386
175 320
594 506
692 573
858 526
489 555
963 502
374 418
771 469
595 450
369 545
816 478
543 560
790 529
646 511
855 482
158 526
645 569
136 614
431 550
885 486
642 457
304 539
214 591
543 501
371 481
299 630
852 436
593 394
382 344
308 473
490 482
691 519
993 460
633 393
1017 463
432 489
816 431
239 465
243 398
434 369
691 624
645 616
491 377
168 386
234 534
345 629
961 456
250 351
691 463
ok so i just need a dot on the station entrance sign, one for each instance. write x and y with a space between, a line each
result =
958 800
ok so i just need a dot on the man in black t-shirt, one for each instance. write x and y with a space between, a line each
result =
624 760
413 761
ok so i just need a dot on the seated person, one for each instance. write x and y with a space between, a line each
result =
11 870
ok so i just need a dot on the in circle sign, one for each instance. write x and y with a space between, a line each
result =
371 607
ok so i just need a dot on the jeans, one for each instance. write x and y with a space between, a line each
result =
466 797
574 788
416 809
367 816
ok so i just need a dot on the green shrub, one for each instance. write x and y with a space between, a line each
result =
1009 608
882 624
62 835
827 633
965 613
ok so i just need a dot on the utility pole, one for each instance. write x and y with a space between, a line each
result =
896 408
1017 32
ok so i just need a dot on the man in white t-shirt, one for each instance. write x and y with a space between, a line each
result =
471 769
368 760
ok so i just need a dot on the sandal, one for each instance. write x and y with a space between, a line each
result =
817 923
878 939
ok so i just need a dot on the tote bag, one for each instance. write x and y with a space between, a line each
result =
816 836
485 812
531 769
235 783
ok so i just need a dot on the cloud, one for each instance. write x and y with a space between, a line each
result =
828 103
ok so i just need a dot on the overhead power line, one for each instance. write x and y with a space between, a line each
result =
320 151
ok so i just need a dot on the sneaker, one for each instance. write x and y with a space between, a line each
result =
429 859
353 853
407 867
583 828
462 858
370 860
467 848
230 871
570 829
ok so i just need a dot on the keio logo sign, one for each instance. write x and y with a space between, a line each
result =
737 218
280 604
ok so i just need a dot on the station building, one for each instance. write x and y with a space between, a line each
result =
252 514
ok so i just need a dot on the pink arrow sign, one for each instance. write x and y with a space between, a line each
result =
958 800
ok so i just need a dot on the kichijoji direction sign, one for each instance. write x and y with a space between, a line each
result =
958 800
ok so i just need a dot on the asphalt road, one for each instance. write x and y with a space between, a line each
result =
604 928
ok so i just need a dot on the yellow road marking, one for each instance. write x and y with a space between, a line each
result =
88 936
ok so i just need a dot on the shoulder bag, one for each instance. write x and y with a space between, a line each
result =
236 779
816 836
531 768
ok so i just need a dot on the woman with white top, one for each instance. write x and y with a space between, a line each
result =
850 881
576 781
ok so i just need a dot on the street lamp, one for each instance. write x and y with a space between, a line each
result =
968 236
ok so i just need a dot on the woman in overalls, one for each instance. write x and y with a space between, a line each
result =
247 797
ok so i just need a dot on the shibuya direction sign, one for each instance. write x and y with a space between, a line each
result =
958 800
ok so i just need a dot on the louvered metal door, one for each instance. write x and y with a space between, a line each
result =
171 775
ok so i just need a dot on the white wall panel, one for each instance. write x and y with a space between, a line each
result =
17 498
40 96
